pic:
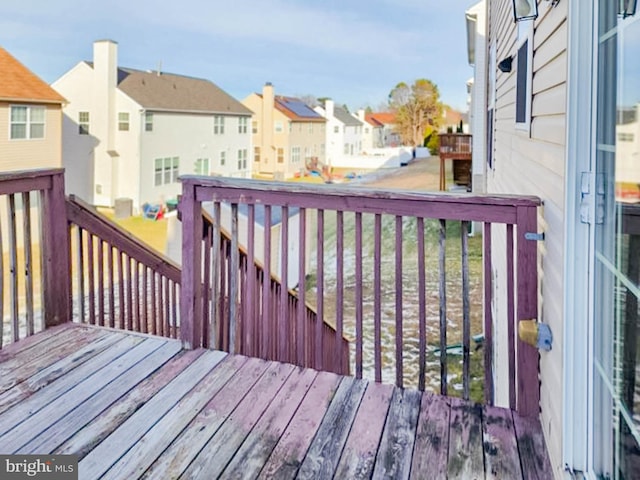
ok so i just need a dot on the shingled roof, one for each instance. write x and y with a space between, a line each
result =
177 93
18 83
296 110
345 117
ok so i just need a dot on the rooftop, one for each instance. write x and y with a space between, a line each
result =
18 83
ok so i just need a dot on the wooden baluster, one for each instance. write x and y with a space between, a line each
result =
399 316
215 341
251 320
377 296
154 305
112 302
511 318
145 298
339 289
28 261
319 290
130 314
488 317
422 310
174 309
100 281
13 269
283 354
266 288
121 289
358 299
2 288
443 306
233 278
90 273
466 319
302 306
206 285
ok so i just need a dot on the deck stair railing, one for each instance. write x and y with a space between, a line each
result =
368 261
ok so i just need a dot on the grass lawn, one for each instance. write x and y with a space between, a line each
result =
151 232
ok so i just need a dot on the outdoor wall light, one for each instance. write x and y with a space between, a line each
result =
627 8
525 9
505 65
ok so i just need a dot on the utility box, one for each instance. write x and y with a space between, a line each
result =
123 207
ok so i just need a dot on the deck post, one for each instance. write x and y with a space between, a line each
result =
528 386
56 254
191 282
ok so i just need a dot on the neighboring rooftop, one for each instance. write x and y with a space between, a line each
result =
345 117
18 83
381 118
179 93
297 110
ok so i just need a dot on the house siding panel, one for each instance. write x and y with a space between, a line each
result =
31 153
533 162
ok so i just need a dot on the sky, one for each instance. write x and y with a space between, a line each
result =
353 51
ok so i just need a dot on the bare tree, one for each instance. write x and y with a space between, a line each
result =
416 107
309 99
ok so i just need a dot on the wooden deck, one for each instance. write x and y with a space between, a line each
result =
137 406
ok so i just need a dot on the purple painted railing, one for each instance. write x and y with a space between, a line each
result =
374 225
252 293
33 290
117 280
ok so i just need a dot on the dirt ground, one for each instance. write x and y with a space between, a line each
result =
423 174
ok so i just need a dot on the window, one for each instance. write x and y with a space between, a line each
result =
295 154
218 125
346 149
242 159
256 154
336 129
277 126
254 126
123 121
625 137
366 129
310 127
83 123
243 124
148 122
202 166
166 170
27 122
322 149
280 155
223 158
524 61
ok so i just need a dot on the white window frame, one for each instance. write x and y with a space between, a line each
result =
525 34
223 158
218 125
295 154
28 122
148 121
167 172
256 154
280 155
201 166
84 124
254 126
123 121
243 125
278 127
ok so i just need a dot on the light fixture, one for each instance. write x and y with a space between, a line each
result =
627 8
505 65
525 9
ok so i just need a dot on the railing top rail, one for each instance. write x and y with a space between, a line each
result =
29 174
491 208
85 216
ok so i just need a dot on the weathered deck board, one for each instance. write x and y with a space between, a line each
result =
500 448
135 406
432 438
54 371
287 456
359 454
465 441
107 453
394 456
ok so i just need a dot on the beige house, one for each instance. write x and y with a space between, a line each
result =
562 116
288 135
30 118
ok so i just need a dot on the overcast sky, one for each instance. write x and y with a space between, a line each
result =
354 51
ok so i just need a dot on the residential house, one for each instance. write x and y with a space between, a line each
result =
562 100
384 134
343 131
367 130
288 135
130 133
30 118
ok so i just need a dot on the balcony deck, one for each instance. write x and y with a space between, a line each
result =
133 405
